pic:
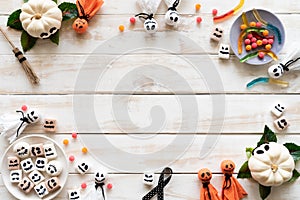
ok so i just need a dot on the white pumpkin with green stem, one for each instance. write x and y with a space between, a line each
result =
41 18
271 164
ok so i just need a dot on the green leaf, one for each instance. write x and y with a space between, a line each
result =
27 41
14 20
264 191
55 37
295 176
268 136
25 1
294 150
69 10
249 152
244 171
55 1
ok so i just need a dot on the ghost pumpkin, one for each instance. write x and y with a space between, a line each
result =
208 191
86 10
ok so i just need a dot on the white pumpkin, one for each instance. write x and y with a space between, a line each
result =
271 164
40 18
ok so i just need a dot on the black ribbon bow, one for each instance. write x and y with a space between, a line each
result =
164 179
175 4
286 65
227 181
145 16
101 186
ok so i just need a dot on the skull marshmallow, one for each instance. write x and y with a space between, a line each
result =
52 184
148 178
74 194
40 163
54 168
26 185
278 109
83 167
21 149
50 151
36 177
37 150
281 123
13 163
41 190
15 176
27 165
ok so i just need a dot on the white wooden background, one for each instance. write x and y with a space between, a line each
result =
246 111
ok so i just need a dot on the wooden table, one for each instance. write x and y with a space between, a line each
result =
156 95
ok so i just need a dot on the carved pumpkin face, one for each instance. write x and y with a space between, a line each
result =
204 175
227 167
80 25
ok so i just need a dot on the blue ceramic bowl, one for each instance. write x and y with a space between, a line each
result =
235 32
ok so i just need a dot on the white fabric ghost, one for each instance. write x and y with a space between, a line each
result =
98 191
12 126
172 17
290 63
149 8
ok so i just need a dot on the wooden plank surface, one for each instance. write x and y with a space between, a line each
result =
150 96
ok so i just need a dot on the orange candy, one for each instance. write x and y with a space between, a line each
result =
265 33
259 42
243 26
252 24
268 47
65 141
197 6
121 28
248 48
84 150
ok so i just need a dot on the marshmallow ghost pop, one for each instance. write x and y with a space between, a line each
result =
172 17
289 63
149 8
98 191
11 126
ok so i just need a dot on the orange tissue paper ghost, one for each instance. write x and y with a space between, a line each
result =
208 191
231 189
86 10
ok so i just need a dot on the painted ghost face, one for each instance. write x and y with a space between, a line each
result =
227 167
40 163
100 177
224 51
80 25
50 151
15 176
27 165
26 185
36 177
74 194
54 168
41 190
205 175
217 34
172 17
148 178
32 116
150 25
50 125
278 109
13 163
52 184
275 71
83 167
37 150
281 123
21 149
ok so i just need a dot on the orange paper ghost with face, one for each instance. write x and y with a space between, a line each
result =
231 189
86 10
208 191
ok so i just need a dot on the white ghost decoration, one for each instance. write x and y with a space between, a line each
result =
149 8
172 17
98 191
12 126
290 63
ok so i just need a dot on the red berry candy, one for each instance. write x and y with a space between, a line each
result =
258 25
199 20
109 186
253 40
261 55
71 158
254 45
214 12
247 41
132 20
24 108
270 41
249 36
74 135
83 185
265 41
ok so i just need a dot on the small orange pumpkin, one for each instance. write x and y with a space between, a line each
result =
86 10
227 167
205 175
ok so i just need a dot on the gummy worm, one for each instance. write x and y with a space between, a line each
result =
244 19
229 13
242 35
254 54
267 80
269 26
